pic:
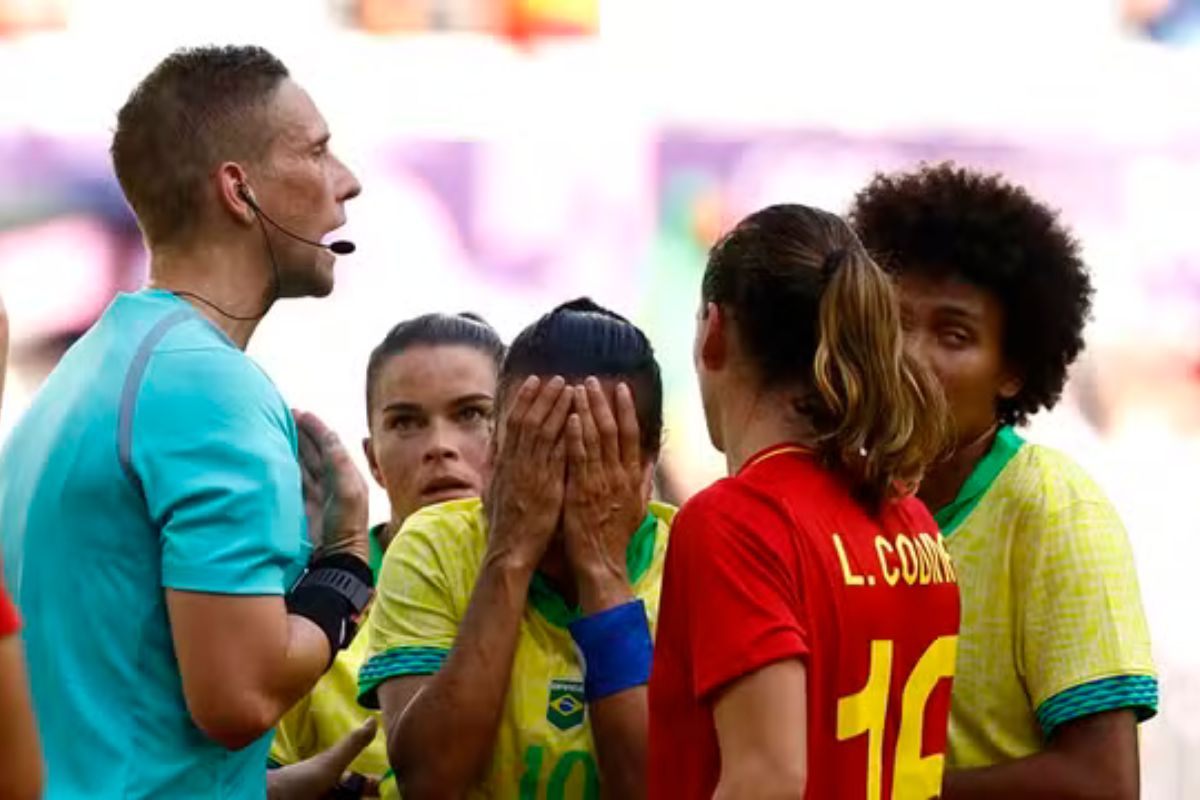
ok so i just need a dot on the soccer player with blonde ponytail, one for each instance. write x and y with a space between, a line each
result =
809 613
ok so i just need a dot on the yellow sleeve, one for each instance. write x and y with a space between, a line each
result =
413 621
294 735
1083 639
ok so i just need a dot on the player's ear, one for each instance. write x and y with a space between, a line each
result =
372 462
648 481
711 331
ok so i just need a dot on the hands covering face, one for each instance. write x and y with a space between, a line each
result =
567 458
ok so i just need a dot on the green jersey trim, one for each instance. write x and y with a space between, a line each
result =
1006 445
639 554
375 557
1137 692
396 663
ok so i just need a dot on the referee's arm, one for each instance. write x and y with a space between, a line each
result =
244 660
217 468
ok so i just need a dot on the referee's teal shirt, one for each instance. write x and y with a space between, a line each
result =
156 456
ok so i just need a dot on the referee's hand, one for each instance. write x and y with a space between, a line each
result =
335 494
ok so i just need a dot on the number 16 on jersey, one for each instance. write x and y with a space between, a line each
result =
914 776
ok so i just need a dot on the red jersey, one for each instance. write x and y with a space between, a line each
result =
10 623
781 562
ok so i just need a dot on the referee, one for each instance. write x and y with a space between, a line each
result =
152 505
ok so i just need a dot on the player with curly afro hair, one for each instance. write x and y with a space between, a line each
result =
1053 666
947 222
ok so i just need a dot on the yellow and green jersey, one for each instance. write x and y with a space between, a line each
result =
330 711
1052 621
544 748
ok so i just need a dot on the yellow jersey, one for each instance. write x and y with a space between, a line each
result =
544 744
1052 621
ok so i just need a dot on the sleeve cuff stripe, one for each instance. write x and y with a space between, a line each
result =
399 662
1139 692
382 674
389 665
412 650
367 684
404 657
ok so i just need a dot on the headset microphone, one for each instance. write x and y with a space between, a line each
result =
341 247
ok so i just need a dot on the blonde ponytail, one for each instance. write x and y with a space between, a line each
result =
816 314
881 415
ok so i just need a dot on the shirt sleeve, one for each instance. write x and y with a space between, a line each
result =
213 446
413 622
1084 642
741 598
10 620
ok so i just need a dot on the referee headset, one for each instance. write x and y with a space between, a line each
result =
340 247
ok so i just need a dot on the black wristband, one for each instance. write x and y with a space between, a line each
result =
333 593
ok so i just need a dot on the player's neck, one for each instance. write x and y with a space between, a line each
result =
389 530
555 568
228 277
762 420
945 480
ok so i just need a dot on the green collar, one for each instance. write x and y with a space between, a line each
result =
638 556
1006 445
375 559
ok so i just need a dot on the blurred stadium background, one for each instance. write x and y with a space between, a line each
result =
515 153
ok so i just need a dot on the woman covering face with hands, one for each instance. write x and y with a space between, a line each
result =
430 391
510 638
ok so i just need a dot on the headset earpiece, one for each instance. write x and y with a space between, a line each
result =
340 247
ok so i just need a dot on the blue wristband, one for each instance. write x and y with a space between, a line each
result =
616 649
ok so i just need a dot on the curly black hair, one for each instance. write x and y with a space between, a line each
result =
945 220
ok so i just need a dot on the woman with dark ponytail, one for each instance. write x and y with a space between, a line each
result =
809 614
